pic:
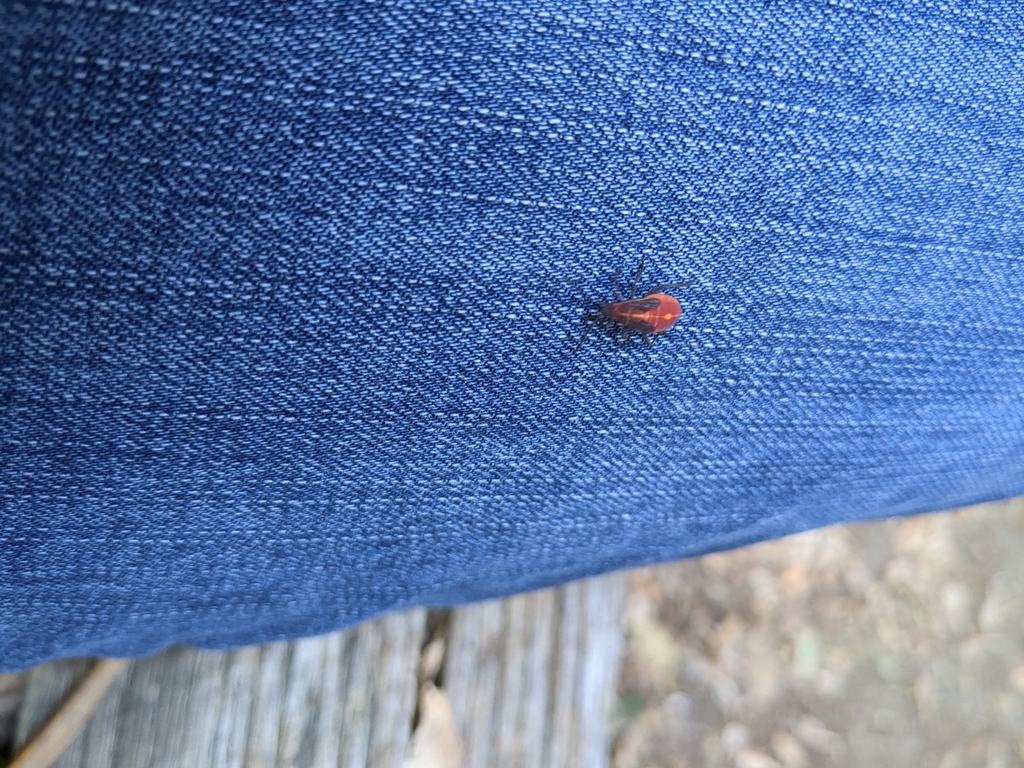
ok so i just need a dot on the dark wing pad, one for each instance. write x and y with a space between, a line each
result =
642 305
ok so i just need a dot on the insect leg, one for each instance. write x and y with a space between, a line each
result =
636 280
586 332
589 320
625 335
648 339
666 286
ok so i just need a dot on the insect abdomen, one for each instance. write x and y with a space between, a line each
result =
655 313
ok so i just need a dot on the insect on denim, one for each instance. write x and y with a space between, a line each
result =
285 338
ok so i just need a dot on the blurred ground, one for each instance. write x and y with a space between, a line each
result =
896 643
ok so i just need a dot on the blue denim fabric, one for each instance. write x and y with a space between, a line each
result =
284 337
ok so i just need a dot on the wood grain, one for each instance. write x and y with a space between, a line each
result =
532 679
344 699
70 717
531 682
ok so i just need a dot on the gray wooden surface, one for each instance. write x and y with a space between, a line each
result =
531 680
344 699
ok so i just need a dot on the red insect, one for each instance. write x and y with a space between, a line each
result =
655 313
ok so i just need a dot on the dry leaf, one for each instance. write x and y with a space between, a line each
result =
436 743
431 659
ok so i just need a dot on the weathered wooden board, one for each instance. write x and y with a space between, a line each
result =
12 690
532 679
344 699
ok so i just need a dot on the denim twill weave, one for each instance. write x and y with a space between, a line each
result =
284 337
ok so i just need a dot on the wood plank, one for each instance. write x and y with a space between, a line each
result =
12 690
341 699
532 679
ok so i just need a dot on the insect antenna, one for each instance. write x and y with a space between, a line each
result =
618 286
579 290
666 286
636 280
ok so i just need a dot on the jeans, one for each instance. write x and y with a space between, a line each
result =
285 340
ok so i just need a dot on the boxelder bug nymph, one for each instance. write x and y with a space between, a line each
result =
655 313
